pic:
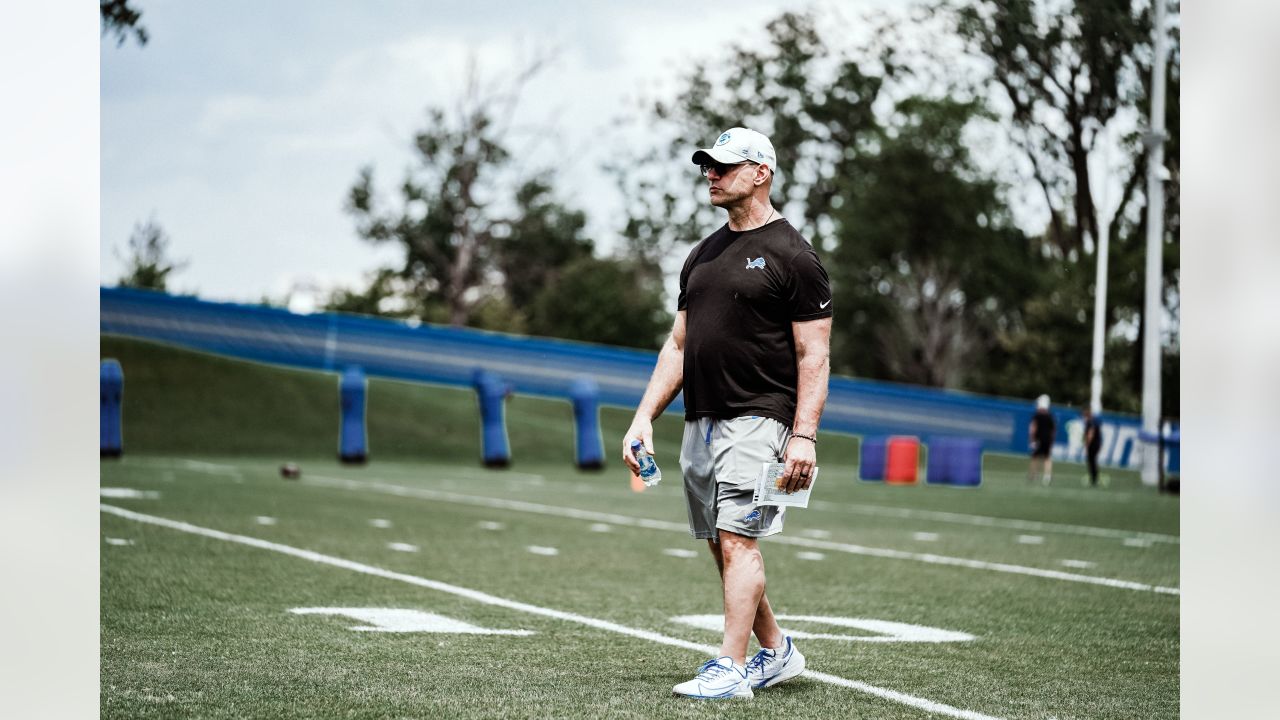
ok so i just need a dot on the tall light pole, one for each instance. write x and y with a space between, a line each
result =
1153 308
1100 284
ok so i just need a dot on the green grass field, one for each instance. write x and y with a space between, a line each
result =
1068 593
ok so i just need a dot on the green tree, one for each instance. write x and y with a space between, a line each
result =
444 219
813 100
457 204
1068 70
913 238
489 248
148 265
930 270
122 20
604 301
384 296
935 283
543 238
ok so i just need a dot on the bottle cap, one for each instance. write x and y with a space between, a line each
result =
635 444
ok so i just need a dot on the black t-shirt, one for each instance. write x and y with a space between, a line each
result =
1095 443
1044 427
741 292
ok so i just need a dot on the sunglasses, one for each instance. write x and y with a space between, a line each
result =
723 169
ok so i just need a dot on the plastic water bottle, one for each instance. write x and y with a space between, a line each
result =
649 472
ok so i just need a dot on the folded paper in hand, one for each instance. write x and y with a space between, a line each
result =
767 490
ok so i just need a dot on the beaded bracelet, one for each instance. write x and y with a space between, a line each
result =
810 438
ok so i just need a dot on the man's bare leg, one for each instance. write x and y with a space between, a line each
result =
765 625
742 577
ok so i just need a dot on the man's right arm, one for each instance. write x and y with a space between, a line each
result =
664 385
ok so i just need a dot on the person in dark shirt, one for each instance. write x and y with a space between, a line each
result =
1040 436
750 349
1092 444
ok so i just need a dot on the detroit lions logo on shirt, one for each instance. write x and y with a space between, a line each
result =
757 264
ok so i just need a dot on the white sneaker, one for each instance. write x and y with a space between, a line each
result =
772 666
717 678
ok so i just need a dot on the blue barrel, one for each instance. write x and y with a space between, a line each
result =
492 393
111 399
871 458
351 438
585 394
966 462
941 458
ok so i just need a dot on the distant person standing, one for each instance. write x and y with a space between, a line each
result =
1040 437
750 349
1092 444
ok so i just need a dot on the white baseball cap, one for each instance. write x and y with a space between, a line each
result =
737 144
1042 402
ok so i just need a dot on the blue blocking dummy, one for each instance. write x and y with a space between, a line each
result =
585 395
111 395
352 444
492 393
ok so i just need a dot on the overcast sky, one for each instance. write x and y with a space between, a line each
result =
241 126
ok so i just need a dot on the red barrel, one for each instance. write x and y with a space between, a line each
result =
902 460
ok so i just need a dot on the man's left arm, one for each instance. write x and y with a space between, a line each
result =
813 370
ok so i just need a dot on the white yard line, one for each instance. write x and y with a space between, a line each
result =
127 493
209 467
487 599
215 469
985 521
522 506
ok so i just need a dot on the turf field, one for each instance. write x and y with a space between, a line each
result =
541 591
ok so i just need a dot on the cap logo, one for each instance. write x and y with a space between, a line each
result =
723 139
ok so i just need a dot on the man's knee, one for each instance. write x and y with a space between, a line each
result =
737 548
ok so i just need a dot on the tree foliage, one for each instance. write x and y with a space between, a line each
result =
601 300
383 296
935 283
819 127
546 238
444 220
122 20
931 271
1068 70
148 265
491 247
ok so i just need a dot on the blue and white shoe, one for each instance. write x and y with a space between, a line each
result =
717 678
772 666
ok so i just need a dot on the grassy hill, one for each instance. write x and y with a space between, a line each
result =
180 401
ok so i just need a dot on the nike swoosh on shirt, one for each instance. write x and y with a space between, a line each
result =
823 305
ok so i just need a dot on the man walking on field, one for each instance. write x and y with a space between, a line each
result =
750 349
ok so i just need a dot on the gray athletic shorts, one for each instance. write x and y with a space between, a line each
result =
721 461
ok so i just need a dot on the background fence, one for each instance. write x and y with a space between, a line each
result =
537 366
